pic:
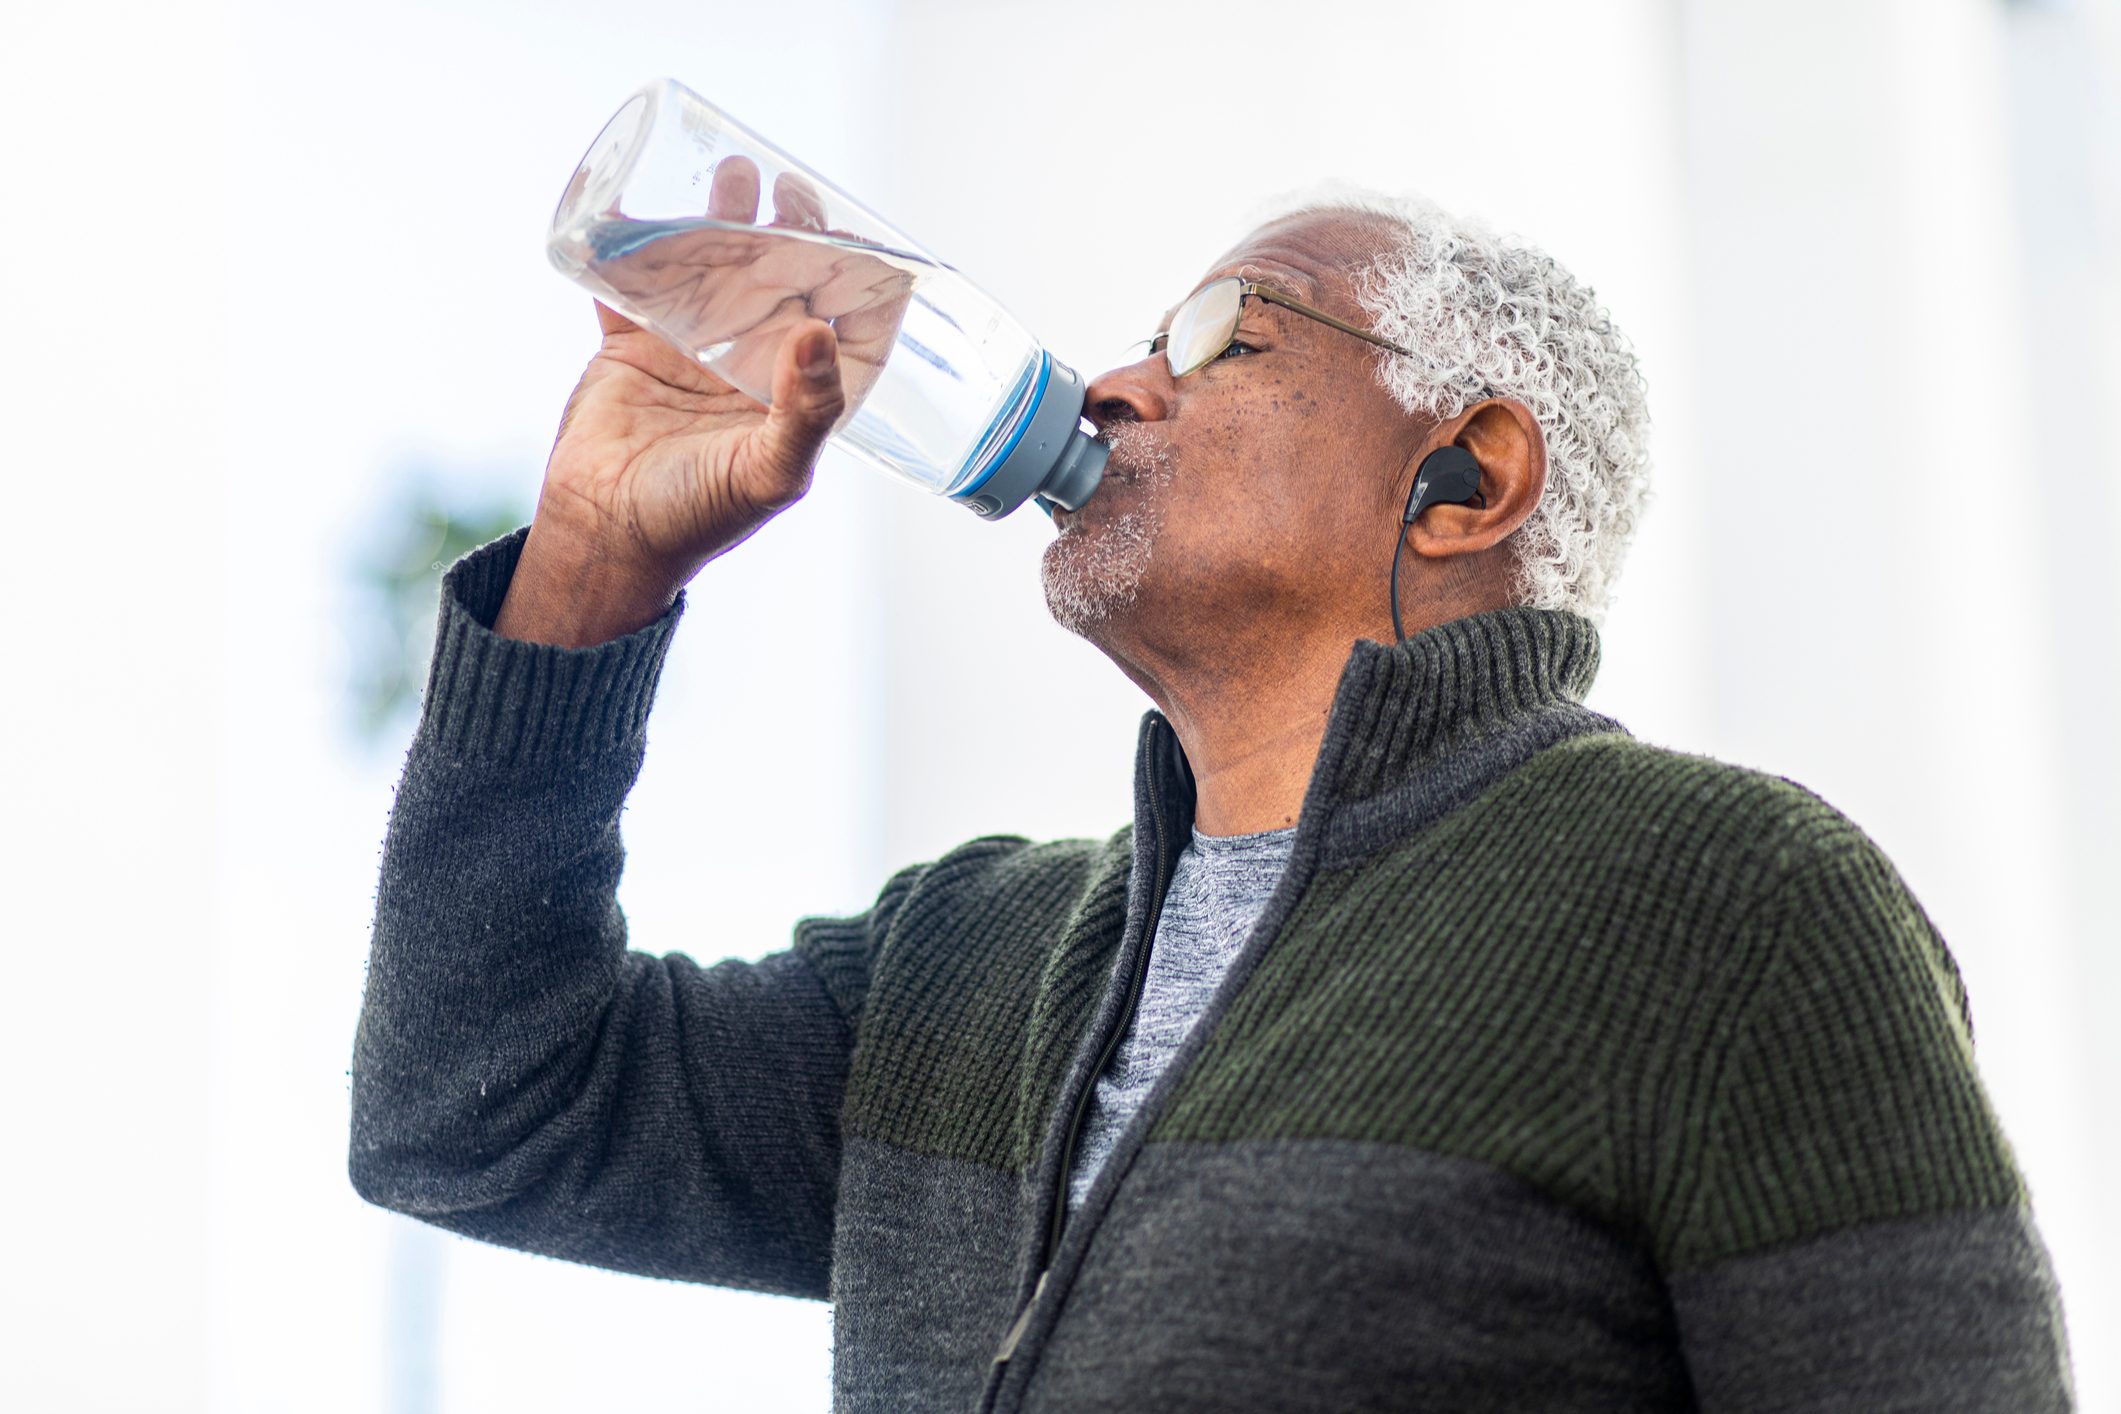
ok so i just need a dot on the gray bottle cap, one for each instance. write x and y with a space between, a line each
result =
1058 459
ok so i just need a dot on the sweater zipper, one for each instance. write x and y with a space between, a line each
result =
1138 974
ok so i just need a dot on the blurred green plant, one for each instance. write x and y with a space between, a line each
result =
397 578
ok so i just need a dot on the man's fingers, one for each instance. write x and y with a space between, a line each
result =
796 203
734 196
610 321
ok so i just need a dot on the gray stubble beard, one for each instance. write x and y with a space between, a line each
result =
1094 572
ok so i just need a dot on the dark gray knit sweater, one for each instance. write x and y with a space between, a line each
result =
1561 1072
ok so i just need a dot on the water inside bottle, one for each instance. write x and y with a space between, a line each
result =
936 374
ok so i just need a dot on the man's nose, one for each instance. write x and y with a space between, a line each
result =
1135 390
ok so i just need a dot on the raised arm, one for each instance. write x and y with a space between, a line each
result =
519 1076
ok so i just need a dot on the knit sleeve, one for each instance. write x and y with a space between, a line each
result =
1852 1230
520 1075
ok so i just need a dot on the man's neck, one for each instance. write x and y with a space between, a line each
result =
1251 773
1251 737
1252 712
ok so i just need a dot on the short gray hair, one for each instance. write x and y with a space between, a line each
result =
1489 315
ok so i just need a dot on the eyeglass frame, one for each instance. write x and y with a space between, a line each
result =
1247 288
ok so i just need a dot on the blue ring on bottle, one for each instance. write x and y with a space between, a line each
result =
1038 395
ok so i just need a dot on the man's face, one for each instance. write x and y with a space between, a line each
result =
1256 488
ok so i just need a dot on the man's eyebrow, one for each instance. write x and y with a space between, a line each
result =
1293 282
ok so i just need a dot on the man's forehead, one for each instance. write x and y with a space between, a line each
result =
1307 256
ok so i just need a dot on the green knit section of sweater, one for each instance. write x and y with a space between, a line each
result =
968 983
1690 999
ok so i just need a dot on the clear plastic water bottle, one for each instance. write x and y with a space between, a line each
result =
693 226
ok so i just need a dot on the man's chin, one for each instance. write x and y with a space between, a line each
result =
1088 588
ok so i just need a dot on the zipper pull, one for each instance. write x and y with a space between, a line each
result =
1023 1319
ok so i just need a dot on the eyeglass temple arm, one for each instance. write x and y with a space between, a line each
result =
1274 297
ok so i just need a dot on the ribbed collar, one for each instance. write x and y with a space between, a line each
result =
1402 710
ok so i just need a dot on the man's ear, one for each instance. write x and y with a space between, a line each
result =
1506 440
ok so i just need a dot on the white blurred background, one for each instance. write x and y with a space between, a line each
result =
274 290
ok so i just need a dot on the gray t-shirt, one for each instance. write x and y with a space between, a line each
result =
1218 888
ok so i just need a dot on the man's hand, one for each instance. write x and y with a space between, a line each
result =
660 465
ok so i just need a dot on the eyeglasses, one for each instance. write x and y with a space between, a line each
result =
1206 323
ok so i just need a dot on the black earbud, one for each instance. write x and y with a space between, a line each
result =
1448 476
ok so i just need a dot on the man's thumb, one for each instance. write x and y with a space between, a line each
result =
807 397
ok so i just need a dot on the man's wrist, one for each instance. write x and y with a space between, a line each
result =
565 592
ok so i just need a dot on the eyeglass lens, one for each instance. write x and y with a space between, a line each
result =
1204 325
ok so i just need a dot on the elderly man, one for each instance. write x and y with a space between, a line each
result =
1426 1042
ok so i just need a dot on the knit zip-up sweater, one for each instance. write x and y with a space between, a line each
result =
1561 1072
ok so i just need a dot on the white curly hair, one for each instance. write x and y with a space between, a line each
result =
1489 315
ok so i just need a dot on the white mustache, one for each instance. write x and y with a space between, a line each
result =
1135 451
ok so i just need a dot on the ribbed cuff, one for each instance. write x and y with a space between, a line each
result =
509 701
